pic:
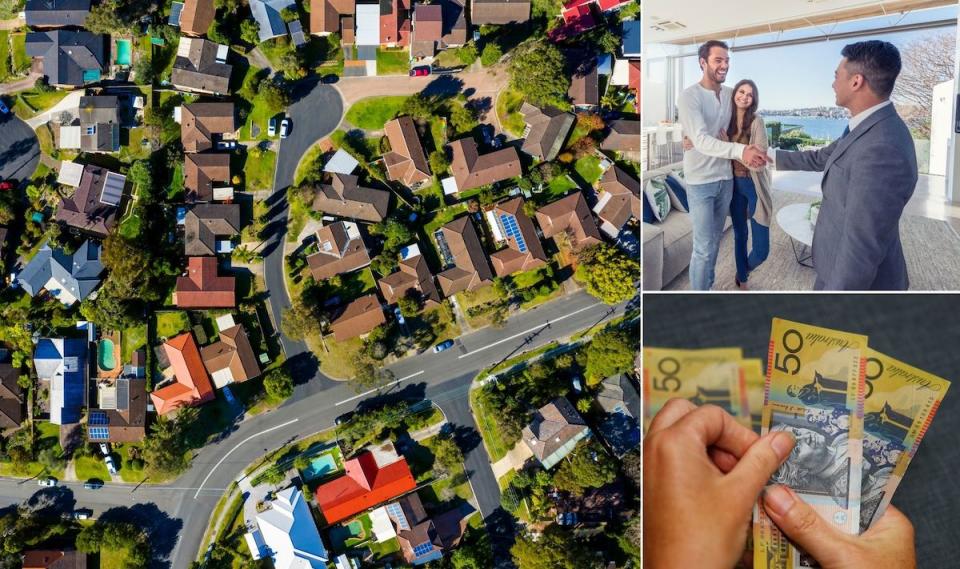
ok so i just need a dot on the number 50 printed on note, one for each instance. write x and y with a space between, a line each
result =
814 390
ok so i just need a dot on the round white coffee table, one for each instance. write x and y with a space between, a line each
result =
794 219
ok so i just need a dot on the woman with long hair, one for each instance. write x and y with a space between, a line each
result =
751 206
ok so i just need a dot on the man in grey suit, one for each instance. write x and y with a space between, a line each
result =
869 175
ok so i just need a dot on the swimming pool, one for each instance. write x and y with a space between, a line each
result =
320 466
105 355
123 52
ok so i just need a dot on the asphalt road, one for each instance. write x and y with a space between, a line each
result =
19 149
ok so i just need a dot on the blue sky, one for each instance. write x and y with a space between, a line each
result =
801 76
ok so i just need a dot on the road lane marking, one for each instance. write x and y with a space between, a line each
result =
534 329
250 438
368 392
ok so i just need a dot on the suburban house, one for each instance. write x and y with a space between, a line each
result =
68 278
510 224
546 130
62 366
332 16
345 197
95 126
11 398
196 17
584 91
342 162
367 35
571 217
56 13
413 275
230 359
203 287
202 125
555 429
624 137
626 65
190 386
406 161
579 15
340 249
69 58
499 12
395 23
287 530
619 200
201 67
418 537
121 413
371 478
54 559
93 206
205 227
268 15
206 176
427 30
358 318
620 399
460 246
472 170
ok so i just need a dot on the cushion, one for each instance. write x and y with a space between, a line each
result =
658 196
648 216
677 186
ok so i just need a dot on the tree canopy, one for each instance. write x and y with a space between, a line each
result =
537 70
608 273
610 352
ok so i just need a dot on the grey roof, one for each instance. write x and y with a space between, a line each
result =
103 113
78 273
267 15
56 13
621 400
67 55
548 128
205 223
296 33
197 67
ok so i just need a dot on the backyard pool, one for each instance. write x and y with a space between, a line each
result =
320 466
105 355
123 52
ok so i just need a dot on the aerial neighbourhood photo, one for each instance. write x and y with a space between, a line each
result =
319 284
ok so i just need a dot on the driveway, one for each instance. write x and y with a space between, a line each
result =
19 149
69 103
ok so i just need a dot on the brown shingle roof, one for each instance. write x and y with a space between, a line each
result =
584 80
84 210
471 270
406 160
199 122
196 17
427 22
358 318
202 171
548 128
624 136
197 69
621 199
570 214
413 274
203 287
54 559
345 197
454 23
231 352
499 11
553 425
325 15
512 259
421 529
340 249
204 223
472 170
127 423
11 397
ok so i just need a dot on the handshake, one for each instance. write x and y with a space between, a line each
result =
754 157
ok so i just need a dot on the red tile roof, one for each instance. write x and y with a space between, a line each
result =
203 287
192 386
363 486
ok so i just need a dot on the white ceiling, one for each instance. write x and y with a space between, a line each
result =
704 19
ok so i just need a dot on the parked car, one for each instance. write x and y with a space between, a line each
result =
93 484
6 185
4 109
399 315
421 71
330 79
104 449
48 482
227 144
285 128
111 465
82 514
443 346
272 127
345 418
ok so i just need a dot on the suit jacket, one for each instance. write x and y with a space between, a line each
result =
868 177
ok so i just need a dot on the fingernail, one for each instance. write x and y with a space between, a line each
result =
782 443
778 499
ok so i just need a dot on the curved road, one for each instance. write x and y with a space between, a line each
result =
19 149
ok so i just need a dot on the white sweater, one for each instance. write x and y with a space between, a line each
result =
702 117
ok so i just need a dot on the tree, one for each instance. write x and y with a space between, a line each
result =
278 384
291 65
927 62
105 18
163 450
610 352
447 453
537 70
608 273
272 96
588 466
143 71
394 232
439 162
409 304
140 175
467 54
289 14
216 33
607 41
300 320
369 373
463 119
250 31
420 106
491 54
557 548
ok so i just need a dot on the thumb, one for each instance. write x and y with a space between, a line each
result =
804 526
759 462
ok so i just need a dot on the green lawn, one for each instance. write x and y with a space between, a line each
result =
589 168
558 187
393 61
176 182
444 216
508 110
493 439
134 148
88 467
4 55
259 114
454 486
172 322
374 112
310 162
127 474
42 101
113 559
47 435
338 360
130 226
258 171
132 339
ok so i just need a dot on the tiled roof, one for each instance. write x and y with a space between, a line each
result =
524 251
471 270
549 127
499 12
340 249
196 67
85 209
413 273
200 122
192 386
406 160
358 318
201 172
345 197
232 353
472 170
196 17
203 287
624 136
365 484
204 223
570 214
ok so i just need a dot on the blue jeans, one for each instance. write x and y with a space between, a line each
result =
742 208
709 205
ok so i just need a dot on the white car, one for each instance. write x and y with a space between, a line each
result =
284 128
111 466
48 482
226 145
104 449
272 127
81 515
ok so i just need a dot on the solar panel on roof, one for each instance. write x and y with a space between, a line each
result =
98 433
112 189
396 512
511 228
423 549
123 394
97 418
175 10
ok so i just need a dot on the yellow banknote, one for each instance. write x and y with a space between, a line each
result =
755 380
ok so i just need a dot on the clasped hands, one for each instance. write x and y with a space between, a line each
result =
753 156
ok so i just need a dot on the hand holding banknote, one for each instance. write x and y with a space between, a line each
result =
888 543
702 473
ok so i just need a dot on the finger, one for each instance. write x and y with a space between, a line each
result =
722 459
759 463
892 521
669 414
712 426
804 526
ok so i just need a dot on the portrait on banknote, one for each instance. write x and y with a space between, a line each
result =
818 464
